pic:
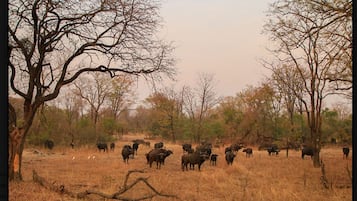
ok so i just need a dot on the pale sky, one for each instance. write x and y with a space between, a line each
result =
220 37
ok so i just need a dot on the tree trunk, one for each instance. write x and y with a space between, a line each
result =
316 158
17 141
316 147
16 146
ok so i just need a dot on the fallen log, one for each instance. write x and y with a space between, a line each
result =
60 188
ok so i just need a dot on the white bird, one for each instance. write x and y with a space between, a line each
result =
73 157
93 157
89 157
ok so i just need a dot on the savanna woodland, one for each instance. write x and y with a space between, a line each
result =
73 66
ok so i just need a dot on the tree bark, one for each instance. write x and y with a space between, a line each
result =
17 141
316 148
16 146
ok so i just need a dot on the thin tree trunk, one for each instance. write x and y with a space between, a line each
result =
16 146
316 148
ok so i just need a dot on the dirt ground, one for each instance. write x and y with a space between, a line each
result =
261 177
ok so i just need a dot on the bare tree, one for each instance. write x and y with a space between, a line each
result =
93 90
207 99
305 42
51 43
189 107
338 30
198 101
120 93
287 82
73 107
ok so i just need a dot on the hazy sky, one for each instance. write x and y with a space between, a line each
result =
220 37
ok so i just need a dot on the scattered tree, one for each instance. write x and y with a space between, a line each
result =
52 43
307 41
93 90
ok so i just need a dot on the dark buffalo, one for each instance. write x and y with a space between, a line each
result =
213 159
139 141
230 157
236 147
159 145
248 152
147 143
102 146
49 144
273 149
112 146
345 151
192 159
307 151
159 155
227 149
204 149
136 147
126 152
187 148
165 154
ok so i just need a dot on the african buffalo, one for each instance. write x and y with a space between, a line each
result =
157 155
273 149
213 160
192 159
112 146
187 148
307 151
345 151
236 147
230 157
147 143
204 149
248 152
139 141
227 149
136 147
126 152
103 146
159 145
49 144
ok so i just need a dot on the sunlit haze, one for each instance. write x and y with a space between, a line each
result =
223 38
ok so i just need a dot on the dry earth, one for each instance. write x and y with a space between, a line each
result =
261 177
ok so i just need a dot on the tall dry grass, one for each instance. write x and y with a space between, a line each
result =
261 177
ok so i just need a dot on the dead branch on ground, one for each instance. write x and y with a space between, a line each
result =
117 195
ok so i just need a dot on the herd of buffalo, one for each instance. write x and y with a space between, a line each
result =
191 156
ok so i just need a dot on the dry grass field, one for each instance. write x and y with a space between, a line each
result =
261 177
